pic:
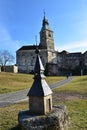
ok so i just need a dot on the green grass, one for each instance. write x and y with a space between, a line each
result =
9 116
77 112
78 85
54 79
77 108
10 82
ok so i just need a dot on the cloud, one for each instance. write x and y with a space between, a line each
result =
74 46
6 41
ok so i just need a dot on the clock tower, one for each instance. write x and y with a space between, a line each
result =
46 35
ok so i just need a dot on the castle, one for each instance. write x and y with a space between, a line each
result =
55 63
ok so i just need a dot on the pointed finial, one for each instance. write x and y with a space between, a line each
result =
44 13
37 50
36 39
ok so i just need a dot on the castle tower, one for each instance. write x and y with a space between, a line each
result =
40 94
46 35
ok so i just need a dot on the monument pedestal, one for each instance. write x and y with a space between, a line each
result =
56 120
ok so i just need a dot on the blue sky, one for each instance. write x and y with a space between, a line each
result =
21 20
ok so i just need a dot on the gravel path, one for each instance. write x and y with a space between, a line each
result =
15 97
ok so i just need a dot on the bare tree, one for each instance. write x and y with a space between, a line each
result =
5 58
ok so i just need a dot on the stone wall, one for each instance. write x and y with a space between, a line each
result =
37 104
70 60
85 58
25 60
58 119
52 58
52 69
12 68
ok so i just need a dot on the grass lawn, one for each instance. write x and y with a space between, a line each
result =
12 82
77 107
77 112
78 85
9 116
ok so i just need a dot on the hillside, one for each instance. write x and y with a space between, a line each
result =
10 82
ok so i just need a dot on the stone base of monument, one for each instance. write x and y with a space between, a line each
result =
58 119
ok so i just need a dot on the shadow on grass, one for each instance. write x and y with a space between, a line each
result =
16 128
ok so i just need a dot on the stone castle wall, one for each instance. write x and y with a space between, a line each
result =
26 60
13 69
85 58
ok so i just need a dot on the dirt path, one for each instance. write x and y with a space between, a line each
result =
61 97
14 97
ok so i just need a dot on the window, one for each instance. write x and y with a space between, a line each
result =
48 105
49 35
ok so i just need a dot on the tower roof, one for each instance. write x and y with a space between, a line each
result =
39 89
45 24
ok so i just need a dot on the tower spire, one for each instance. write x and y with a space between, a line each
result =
45 21
44 13
36 39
